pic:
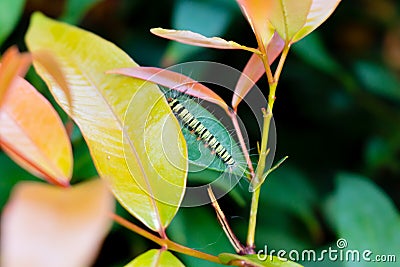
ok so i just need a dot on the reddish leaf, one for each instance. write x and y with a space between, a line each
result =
174 81
255 69
275 47
43 225
192 38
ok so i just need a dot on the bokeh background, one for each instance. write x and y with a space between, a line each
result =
337 115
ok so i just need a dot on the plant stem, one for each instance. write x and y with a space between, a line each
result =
253 219
258 176
264 58
165 243
273 83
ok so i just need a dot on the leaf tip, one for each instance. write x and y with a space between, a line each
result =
157 30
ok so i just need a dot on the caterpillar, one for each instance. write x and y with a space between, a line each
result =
200 131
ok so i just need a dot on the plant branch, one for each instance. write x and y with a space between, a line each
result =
239 248
233 116
282 60
267 67
165 243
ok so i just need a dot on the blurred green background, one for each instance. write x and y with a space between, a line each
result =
337 115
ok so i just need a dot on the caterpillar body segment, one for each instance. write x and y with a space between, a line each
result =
202 133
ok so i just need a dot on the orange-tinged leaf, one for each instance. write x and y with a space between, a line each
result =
13 64
138 157
32 133
320 10
44 225
287 17
156 258
175 81
192 38
257 13
255 69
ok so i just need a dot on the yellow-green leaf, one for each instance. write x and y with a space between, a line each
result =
134 155
289 16
257 260
156 258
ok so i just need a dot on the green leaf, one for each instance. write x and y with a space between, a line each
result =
156 258
289 181
365 217
10 13
381 153
210 239
256 260
200 156
122 120
236 192
76 9
11 174
378 80
83 167
312 51
206 167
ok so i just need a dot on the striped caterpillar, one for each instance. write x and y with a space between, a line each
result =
202 133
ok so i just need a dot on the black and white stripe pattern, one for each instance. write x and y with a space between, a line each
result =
200 130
